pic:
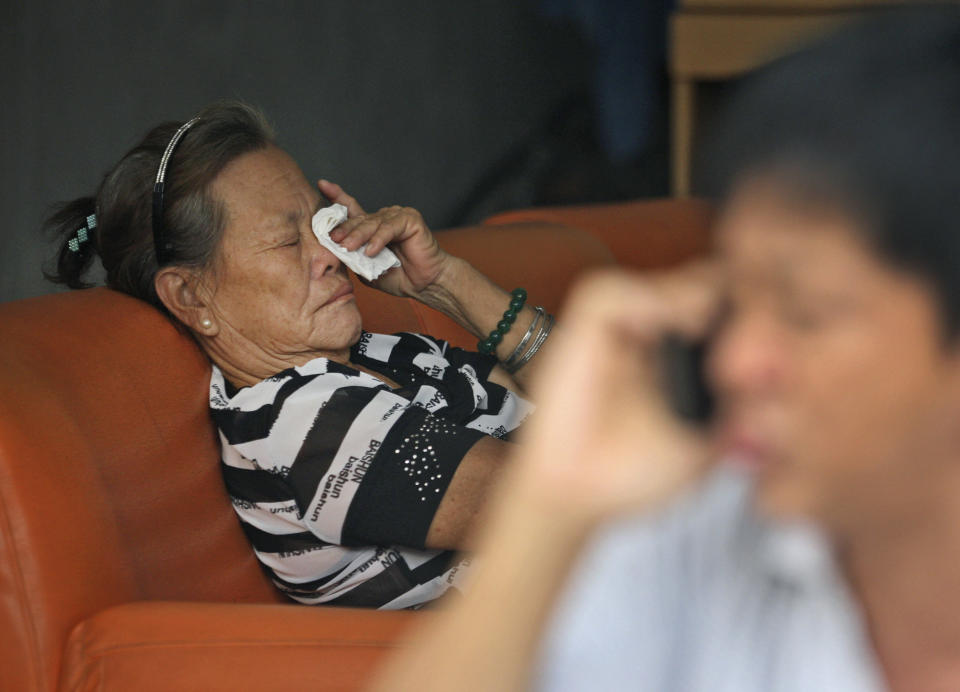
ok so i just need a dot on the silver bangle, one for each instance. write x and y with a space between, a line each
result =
537 343
508 363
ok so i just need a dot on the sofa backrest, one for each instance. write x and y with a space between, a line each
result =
110 490
543 257
648 234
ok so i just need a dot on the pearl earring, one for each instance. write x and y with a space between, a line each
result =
206 323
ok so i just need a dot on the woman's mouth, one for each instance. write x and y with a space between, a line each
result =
346 289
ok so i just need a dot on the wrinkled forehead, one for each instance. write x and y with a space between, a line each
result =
264 176
262 190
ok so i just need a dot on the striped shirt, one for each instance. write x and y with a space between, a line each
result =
707 596
336 477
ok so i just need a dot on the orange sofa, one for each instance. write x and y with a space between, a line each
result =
122 566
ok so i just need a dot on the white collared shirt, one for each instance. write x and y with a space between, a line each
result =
708 596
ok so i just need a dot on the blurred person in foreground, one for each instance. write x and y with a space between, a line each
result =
823 551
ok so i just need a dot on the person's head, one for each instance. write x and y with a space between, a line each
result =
839 367
241 269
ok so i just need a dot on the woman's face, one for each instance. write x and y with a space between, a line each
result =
279 298
834 379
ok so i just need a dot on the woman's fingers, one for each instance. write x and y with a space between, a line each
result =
403 228
399 223
336 195
377 230
353 233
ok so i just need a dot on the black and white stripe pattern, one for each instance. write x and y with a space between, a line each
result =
336 477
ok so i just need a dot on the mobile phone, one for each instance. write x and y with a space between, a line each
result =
683 370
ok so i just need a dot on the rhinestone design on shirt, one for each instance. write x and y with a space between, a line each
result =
419 456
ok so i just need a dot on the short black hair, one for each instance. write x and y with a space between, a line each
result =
866 120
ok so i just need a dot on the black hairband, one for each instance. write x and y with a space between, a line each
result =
160 244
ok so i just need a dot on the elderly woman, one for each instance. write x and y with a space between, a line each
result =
355 461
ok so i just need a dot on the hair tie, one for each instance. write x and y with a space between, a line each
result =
83 234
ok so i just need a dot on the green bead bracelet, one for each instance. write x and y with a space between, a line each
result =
518 297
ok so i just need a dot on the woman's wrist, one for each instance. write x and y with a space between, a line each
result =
456 278
478 305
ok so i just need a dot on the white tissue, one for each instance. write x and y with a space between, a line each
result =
369 268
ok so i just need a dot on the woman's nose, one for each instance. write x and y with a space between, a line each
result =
322 261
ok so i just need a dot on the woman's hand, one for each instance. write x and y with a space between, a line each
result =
603 440
403 229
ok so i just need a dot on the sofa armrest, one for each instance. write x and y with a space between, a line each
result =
158 646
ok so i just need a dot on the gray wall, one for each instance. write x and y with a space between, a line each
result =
401 102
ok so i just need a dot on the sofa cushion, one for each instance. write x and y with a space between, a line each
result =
206 647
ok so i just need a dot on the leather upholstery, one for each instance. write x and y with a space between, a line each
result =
159 647
122 565
641 235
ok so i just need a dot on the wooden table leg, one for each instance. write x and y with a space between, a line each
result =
682 126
